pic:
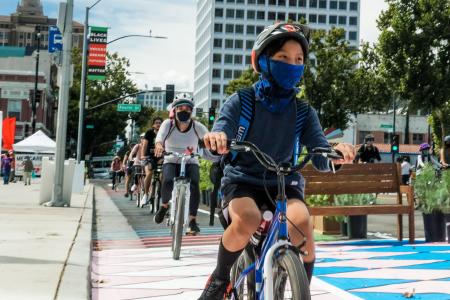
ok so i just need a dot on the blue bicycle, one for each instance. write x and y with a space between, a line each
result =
271 268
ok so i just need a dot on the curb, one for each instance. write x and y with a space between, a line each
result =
75 281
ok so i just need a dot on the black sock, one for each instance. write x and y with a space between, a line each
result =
225 260
309 268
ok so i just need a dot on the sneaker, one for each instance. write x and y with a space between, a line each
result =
126 195
133 187
193 227
145 200
216 289
160 214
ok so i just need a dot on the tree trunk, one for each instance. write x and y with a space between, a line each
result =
406 139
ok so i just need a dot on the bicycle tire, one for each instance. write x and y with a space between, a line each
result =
247 289
155 193
179 220
288 266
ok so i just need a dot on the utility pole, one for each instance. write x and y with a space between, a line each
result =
36 78
63 106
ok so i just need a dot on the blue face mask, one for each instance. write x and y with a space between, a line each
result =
285 75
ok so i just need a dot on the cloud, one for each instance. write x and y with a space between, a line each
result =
370 10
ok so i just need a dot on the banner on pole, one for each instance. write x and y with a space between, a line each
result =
8 132
97 53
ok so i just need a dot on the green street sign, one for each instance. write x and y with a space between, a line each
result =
89 126
129 107
386 126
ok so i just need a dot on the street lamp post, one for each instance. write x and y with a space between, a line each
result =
84 72
36 78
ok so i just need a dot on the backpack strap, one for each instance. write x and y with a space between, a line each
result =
195 130
247 99
171 129
302 112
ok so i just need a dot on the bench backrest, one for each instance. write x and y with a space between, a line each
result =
354 179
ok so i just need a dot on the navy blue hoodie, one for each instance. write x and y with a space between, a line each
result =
274 134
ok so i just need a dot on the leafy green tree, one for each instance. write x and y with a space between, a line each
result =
107 121
247 78
415 54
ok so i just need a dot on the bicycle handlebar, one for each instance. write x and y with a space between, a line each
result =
181 155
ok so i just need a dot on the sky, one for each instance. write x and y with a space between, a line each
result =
161 61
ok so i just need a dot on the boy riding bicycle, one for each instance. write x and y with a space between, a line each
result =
278 55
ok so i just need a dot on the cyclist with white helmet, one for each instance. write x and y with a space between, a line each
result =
180 134
445 152
279 54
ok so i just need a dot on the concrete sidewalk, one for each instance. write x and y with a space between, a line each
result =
44 251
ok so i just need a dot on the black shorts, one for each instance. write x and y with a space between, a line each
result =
231 191
150 161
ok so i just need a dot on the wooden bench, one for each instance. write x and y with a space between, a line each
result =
362 179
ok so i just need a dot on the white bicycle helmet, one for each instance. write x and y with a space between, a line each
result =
183 99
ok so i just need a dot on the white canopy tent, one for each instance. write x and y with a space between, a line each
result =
39 142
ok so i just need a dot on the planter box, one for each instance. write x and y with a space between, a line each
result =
434 227
324 225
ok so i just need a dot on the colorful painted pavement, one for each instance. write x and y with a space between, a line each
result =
376 269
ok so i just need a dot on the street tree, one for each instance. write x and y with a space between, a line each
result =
415 54
106 120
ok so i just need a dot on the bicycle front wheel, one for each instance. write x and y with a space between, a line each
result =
179 222
246 291
289 276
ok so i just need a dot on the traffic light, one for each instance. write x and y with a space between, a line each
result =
395 143
38 96
211 115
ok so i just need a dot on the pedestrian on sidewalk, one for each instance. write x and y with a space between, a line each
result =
12 174
6 168
406 170
27 169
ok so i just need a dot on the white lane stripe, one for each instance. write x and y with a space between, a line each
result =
334 290
207 212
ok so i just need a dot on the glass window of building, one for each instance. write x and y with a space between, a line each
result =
271 16
281 2
250 14
228 44
312 18
227 74
323 4
219 12
332 19
216 73
249 44
261 15
218 27
248 60
342 20
343 5
292 17
353 21
237 73
217 58
238 59
230 13
229 28
239 13
14 108
301 17
333 4
240 1
238 44
217 43
228 58
418 138
313 3
251 1
281 16
239 28
215 88
302 3
293 3
250 29
352 35
322 19
272 2
353 5
259 29
230 1
263 2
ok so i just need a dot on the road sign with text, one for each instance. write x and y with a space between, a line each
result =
129 107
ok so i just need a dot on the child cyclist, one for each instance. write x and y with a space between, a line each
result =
278 55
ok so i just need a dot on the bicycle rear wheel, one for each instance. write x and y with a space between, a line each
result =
179 222
246 291
289 276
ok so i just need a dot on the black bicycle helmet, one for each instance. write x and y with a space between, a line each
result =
271 33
